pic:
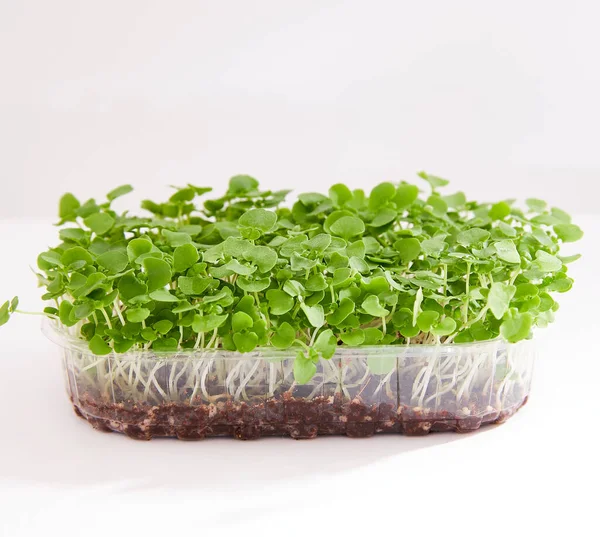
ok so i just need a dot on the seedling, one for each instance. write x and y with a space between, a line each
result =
402 266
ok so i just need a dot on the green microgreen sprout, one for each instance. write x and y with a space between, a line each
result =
401 266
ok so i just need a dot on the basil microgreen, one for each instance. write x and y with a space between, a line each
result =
397 266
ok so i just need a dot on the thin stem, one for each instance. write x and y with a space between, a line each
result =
50 315
106 317
119 313
468 291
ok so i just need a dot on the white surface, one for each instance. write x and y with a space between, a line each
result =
497 97
500 98
534 475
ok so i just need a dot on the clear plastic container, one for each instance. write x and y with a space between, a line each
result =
361 391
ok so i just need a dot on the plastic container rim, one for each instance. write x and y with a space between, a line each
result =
59 336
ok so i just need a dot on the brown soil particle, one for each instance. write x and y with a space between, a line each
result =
281 416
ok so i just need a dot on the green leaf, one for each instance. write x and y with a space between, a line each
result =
232 247
536 205
149 334
319 243
68 206
280 302
176 238
499 298
569 259
314 314
456 201
138 247
162 295
119 191
354 338
93 281
356 249
241 321
259 219
542 237
241 184
300 263
433 247
384 217
195 285
340 194
433 180
83 311
73 234
376 285
316 282
263 257
4 313
507 251
284 336
311 198
373 336
64 312
304 369
500 211
253 286
341 277
207 323
507 230
472 237
183 195
77 253
381 195
347 227
408 249
406 195
516 326
99 223
245 342
326 344
445 327
561 215
568 232
130 287
546 262
165 345
234 266
114 261
158 273
163 327
372 306
345 308
137 315
99 346
184 257
359 265
427 319
561 285
121 346
525 290
438 205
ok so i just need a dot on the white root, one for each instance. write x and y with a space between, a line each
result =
243 384
446 376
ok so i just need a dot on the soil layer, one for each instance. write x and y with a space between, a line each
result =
282 416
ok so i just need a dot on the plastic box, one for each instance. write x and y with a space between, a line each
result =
361 391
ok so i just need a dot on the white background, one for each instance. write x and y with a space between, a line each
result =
501 98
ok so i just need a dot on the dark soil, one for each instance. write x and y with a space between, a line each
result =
284 415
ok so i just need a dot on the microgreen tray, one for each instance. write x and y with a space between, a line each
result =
359 392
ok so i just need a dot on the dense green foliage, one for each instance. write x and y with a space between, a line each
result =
397 266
